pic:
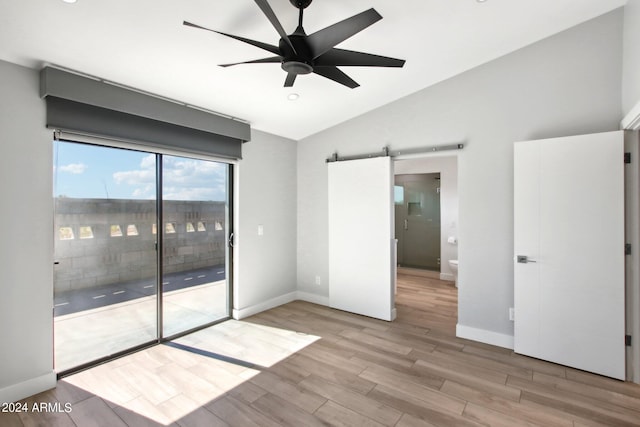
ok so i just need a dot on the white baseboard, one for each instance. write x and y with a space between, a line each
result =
484 336
287 298
266 305
28 388
313 298
447 276
322 300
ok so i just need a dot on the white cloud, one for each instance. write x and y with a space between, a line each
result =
148 162
141 180
183 179
74 168
135 177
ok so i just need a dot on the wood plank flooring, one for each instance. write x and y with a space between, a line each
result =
305 365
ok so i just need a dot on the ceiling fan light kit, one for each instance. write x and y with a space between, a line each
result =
299 53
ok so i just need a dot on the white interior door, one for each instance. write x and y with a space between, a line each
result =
569 222
361 244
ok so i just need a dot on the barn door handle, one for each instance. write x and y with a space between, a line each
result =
523 259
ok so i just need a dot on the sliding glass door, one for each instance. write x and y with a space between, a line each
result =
105 270
140 249
195 213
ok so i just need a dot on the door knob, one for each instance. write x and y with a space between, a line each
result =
523 259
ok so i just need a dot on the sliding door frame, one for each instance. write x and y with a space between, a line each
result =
230 251
159 249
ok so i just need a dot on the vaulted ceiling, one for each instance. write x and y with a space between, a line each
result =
143 44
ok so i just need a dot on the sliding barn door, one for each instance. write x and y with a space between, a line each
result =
361 244
569 252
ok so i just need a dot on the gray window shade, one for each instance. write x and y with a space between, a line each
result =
91 107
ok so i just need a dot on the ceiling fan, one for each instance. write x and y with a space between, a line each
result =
299 53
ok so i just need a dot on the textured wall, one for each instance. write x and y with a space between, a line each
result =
103 258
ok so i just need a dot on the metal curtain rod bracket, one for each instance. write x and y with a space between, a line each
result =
388 153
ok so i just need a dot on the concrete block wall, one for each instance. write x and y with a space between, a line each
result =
84 262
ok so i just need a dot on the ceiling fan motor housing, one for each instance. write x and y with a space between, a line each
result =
300 61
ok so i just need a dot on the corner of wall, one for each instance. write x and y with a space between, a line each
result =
312 298
243 313
484 336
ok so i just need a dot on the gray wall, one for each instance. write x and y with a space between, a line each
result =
631 63
267 199
26 247
567 84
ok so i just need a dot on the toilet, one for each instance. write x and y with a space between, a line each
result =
453 263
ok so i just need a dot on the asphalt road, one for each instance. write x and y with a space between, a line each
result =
86 299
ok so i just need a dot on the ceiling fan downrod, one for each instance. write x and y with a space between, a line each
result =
300 4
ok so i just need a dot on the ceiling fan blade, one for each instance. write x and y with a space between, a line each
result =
347 58
271 16
336 75
291 78
265 46
272 59
323 40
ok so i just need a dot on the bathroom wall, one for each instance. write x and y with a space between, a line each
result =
448 168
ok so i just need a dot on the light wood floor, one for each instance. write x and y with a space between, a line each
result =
303 364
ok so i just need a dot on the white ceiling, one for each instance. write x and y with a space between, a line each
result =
143 44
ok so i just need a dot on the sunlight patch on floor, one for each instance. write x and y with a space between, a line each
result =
165 383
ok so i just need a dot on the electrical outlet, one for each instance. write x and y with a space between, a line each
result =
318 281
512 314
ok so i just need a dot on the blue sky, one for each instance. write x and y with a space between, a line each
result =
89 171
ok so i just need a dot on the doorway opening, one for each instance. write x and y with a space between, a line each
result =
426 216
141 253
